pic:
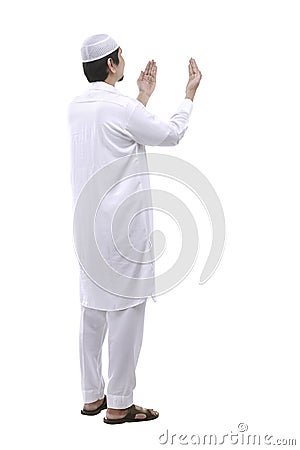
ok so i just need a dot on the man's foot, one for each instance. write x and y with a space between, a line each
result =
93 405
112 413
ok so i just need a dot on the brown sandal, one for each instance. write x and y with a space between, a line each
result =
93 412
130 416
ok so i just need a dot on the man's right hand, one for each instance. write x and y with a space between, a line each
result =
194 79
146 82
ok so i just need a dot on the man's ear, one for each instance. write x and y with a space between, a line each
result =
111 65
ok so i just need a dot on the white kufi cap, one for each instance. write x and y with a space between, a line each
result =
97 46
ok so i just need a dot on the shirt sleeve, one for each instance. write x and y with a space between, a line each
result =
147 129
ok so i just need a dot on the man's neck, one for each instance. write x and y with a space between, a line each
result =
110 81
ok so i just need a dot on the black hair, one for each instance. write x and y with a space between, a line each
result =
97 70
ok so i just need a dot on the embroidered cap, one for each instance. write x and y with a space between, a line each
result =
97 46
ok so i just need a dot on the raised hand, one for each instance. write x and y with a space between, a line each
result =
194 79
147 79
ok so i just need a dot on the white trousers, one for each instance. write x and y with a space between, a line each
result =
125 334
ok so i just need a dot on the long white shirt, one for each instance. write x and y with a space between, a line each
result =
106 125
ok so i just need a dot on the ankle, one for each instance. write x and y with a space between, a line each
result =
95 402
116 409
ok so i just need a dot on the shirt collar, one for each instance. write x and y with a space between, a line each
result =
102 86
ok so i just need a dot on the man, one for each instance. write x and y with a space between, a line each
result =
106 126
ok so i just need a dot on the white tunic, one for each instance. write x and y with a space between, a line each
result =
106 125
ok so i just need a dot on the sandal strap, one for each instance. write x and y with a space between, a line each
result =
132 411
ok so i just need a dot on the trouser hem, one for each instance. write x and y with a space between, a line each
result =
92 396
119 401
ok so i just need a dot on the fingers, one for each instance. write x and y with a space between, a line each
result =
141 76
151 68
154 68
147 68
190 68
193 68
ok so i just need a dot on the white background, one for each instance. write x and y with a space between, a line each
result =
213 355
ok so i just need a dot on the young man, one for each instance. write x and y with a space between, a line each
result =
106 125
